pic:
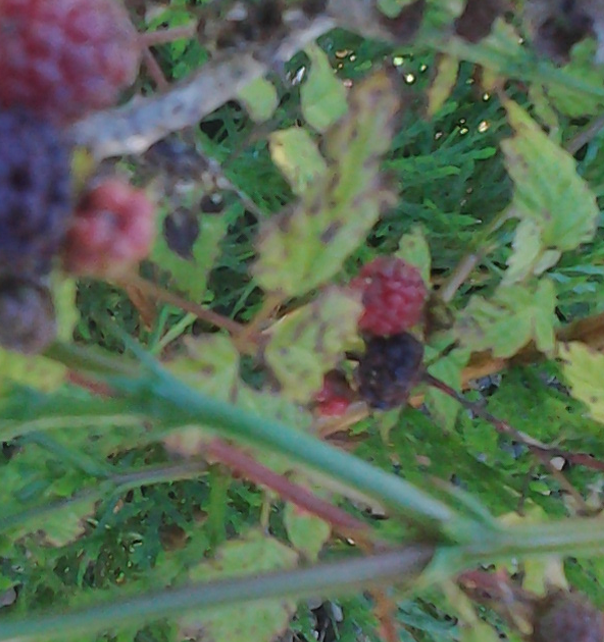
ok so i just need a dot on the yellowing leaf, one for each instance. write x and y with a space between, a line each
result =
260 621
322 95
583 367
443 84
301 249
306 532
413 248
260 99
548 190
308 342
505 323
211 365
298 157
190 276
529 257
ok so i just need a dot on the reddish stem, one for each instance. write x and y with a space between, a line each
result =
538 448
164 36
248 467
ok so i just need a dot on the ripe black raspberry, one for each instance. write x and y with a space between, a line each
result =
393 296
64 58
389 369
35 193
567 617
27 318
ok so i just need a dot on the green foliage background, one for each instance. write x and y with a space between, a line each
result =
99 502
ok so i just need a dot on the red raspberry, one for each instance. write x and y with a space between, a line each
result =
393 296
335 396
65 58
112 230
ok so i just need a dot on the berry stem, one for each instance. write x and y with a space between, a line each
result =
160 294
239 462
538 448
165 36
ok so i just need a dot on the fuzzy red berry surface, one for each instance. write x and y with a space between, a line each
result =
394 295
65 58
112 230
335 397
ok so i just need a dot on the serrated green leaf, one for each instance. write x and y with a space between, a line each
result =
442 86
548 189
414 249
322 95
308 342
529 257
582 367
260 99
300 250
505 323
190 276
297 156
257 622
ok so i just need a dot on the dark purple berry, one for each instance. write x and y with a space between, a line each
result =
35 193
27 318
389 369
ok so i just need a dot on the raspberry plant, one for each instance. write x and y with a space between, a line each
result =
206 438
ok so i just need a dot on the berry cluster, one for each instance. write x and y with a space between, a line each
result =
393 294
61 59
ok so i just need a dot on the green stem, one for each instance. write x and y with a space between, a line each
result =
328 579
168 399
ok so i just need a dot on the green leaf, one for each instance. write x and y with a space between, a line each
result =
260 99
305 531
300 250
260 621
581 67
392 8
190 276
548 190
322 95
306 343
413 248
447 369
582 367
298 157
211 365
64 298
505 323
529 257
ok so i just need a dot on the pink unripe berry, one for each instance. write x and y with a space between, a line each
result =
112 230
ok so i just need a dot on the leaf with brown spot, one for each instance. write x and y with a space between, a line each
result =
308 342
301 249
